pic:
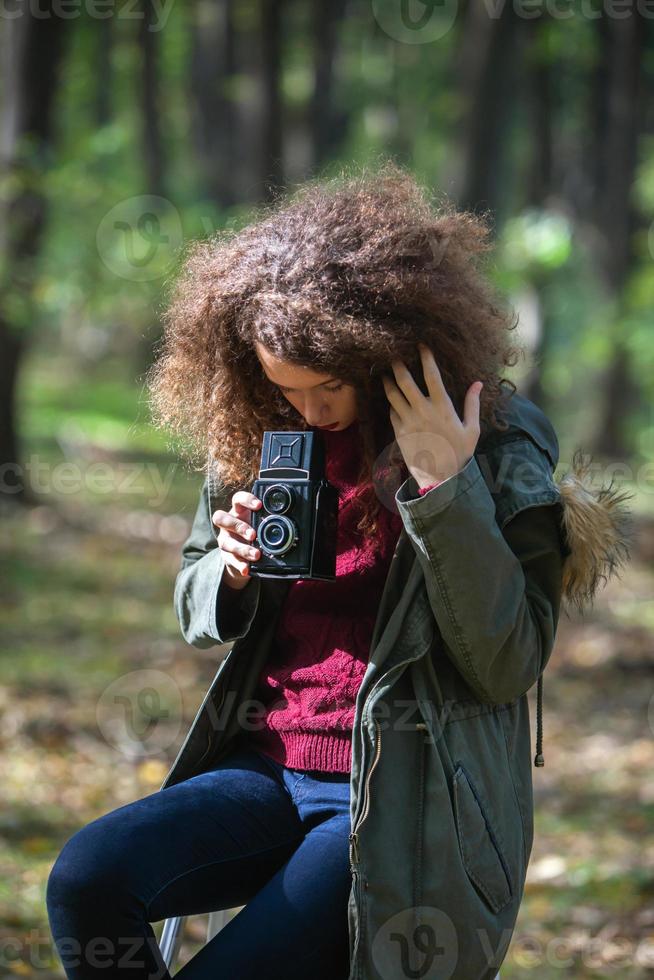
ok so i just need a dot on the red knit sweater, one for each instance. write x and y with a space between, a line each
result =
322 640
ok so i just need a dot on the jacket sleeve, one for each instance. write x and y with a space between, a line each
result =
495 591
208 610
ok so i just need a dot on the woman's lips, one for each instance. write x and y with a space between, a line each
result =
332 426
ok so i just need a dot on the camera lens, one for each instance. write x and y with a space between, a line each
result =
277 499
276 535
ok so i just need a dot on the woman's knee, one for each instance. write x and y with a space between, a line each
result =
85 870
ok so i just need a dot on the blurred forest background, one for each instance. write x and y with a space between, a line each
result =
128 129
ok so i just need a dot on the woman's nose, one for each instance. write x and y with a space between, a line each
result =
316 419
315 415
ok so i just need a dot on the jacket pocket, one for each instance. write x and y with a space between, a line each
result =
482 857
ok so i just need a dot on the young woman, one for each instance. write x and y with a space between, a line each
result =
358 776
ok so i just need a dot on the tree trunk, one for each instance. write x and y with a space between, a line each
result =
215 122
32 51
327 125
150 116
488 61
622 47
540 114
539 184
272 173
104 40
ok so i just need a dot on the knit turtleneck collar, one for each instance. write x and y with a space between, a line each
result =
342 454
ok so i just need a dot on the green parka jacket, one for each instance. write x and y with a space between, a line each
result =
441 787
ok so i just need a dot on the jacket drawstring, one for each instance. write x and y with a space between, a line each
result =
539 759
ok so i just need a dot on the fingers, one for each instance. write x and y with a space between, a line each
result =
395 397
405 383
246 499
405 391
234 523
432 373
236 533
238 518
471 406
241 551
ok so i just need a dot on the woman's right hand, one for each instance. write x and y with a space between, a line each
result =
236 536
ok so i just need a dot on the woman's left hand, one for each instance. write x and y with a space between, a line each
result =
434 442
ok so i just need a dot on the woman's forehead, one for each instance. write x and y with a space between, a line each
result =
289 375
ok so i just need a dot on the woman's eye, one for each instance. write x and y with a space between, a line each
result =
285 391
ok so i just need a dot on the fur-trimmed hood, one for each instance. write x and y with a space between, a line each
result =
598 531
598 534
597 525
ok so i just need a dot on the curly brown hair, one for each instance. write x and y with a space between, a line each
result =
342 275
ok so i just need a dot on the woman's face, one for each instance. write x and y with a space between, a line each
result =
320 398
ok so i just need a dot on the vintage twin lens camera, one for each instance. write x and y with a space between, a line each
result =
296 526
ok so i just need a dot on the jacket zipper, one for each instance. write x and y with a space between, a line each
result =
354 836
417 879
354 848
354 951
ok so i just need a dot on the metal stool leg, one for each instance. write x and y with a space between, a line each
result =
216 921
171 934
171 937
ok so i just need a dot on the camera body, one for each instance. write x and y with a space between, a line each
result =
297 524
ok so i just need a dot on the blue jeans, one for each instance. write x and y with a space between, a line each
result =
248 832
